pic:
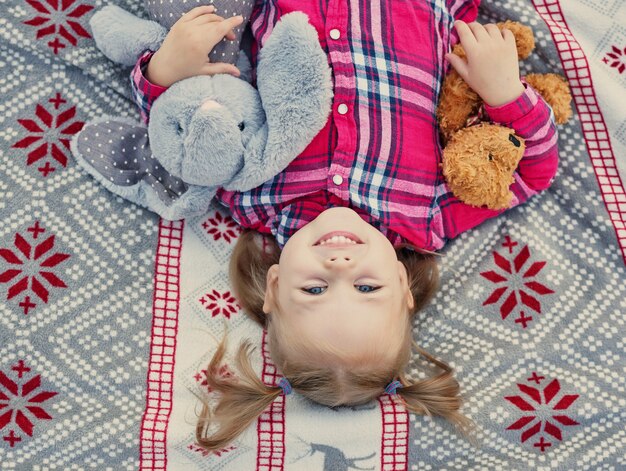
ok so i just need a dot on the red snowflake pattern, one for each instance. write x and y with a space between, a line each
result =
616 59
60 19
516 284
26 257
21 403
220 303
201 377
50 135
220 226
543 416
203 452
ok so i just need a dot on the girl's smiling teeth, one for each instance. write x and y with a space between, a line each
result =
338 240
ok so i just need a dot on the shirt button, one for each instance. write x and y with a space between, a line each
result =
342 109
335 34
337 179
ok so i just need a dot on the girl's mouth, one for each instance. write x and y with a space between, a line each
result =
338 238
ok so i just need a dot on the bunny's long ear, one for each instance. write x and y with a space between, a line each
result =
295 85
117 153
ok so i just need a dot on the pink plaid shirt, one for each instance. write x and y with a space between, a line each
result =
379 152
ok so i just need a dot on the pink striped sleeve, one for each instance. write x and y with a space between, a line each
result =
532 119
465 10
145 92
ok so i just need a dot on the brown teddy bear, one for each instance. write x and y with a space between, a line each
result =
479 159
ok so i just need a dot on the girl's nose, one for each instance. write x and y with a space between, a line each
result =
338 261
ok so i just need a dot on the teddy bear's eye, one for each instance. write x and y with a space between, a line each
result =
242 126
490 157
514 140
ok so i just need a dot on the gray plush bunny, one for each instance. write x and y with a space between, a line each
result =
207 132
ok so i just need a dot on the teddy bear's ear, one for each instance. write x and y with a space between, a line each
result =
556 92
456 103
117 153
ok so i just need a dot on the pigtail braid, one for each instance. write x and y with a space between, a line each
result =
241 400
438 395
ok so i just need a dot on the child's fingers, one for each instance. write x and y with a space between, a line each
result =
509 37
225 28
196 12
217 30
459 64
207 19
494 32
230 23
465 34
220 68
479 31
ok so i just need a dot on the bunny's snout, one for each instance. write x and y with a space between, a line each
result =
213 146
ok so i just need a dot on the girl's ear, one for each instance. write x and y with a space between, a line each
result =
271 284
404 280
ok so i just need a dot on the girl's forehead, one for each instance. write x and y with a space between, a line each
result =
344 340
346 330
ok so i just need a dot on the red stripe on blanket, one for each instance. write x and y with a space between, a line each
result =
576 68
153 434
271 424
395 439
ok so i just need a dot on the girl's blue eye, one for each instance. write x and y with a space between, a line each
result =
315 289
366 288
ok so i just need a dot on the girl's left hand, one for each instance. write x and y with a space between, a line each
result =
492 67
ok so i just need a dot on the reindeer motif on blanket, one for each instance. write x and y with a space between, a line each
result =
334 458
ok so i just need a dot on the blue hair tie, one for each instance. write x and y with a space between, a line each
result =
285 386
393 386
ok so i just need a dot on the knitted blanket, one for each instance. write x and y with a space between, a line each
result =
110 316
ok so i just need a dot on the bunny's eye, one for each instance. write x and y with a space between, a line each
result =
179 129
490 157
242 126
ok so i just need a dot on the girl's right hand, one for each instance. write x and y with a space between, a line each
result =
185 50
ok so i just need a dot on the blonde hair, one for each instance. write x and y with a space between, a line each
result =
242 399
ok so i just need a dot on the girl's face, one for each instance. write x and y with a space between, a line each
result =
339 283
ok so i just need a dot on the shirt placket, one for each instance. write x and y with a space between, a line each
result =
337 32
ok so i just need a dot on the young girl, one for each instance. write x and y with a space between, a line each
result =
354 216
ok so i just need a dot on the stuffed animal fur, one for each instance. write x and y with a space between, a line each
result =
207 133
479 160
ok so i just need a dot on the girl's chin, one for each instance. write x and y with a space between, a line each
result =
339 213
338 219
